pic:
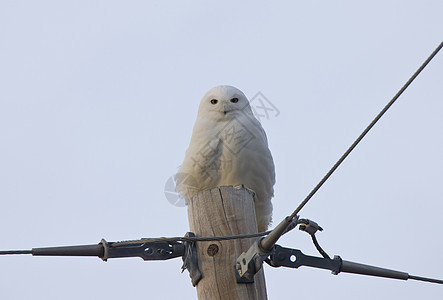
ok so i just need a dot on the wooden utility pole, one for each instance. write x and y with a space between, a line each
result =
220 212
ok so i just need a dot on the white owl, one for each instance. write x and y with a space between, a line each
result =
229 147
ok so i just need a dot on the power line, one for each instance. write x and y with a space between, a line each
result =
12 252
163 239
191 239
162 249
362 135
292 225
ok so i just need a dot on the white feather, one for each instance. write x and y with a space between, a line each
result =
229 147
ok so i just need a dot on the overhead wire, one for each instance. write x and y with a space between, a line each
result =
191 239
162 239
363 134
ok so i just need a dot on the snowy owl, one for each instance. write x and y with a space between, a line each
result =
229 147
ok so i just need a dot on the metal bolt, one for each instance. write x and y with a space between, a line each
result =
212 249
281 257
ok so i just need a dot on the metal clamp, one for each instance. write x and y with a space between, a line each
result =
190 260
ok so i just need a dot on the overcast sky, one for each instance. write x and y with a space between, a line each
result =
97 104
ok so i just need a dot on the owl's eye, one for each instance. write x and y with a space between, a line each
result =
234 100
214 101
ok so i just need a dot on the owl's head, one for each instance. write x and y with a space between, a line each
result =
224 101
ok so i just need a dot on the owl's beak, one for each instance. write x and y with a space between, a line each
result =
225 109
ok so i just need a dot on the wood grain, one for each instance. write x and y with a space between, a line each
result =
224 211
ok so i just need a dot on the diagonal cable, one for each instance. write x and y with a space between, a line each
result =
362 135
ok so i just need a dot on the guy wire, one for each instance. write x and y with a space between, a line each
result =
362 135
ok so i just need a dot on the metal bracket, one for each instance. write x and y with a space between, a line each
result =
294 258
156 250
190 261
309 226
249 263
144 250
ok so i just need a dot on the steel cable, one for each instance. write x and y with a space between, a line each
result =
362 135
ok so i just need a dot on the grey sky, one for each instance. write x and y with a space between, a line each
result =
97 104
